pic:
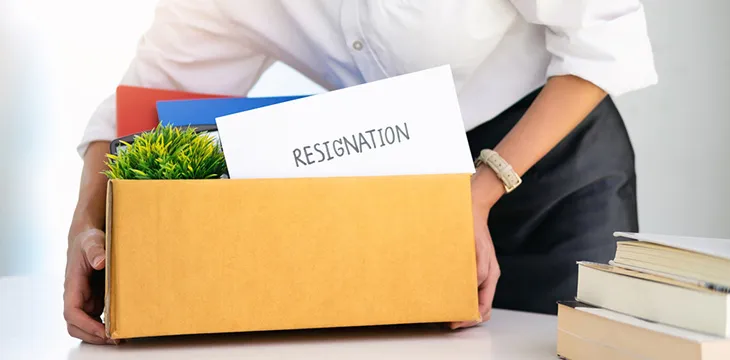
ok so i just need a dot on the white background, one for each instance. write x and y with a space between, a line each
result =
58 59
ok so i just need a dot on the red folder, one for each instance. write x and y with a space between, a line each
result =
137 106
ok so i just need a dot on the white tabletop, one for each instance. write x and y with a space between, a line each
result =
32 327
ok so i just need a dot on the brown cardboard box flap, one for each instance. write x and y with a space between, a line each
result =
207 256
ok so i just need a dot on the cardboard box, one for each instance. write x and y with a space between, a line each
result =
236 255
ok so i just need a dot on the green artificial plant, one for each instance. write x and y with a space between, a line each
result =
168 152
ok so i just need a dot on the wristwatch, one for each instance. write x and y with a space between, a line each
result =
504 171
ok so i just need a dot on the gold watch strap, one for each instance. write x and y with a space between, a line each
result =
504 171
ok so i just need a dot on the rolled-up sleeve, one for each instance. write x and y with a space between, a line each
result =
190 46
602 41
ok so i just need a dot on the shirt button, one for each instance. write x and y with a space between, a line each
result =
357 45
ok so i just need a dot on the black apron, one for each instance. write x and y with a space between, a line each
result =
565 210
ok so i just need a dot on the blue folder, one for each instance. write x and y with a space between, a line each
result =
205 111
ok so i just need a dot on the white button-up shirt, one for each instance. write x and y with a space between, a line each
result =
499 50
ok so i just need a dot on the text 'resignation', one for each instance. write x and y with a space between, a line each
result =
351 144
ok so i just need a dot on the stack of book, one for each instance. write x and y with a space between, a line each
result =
661 297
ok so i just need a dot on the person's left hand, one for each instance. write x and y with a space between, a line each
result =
486 189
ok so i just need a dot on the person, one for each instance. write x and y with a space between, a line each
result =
535 81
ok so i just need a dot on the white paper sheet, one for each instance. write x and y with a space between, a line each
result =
653 326
708 246
404 125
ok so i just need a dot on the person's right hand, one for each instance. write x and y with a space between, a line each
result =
83 297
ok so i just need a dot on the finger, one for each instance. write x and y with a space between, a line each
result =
485 311
84 336
92 243
77 318
482 256
76 289
464 324
487 290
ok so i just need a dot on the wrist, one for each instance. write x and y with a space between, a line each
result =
487 189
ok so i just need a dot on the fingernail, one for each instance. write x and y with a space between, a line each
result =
112 342
97 260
